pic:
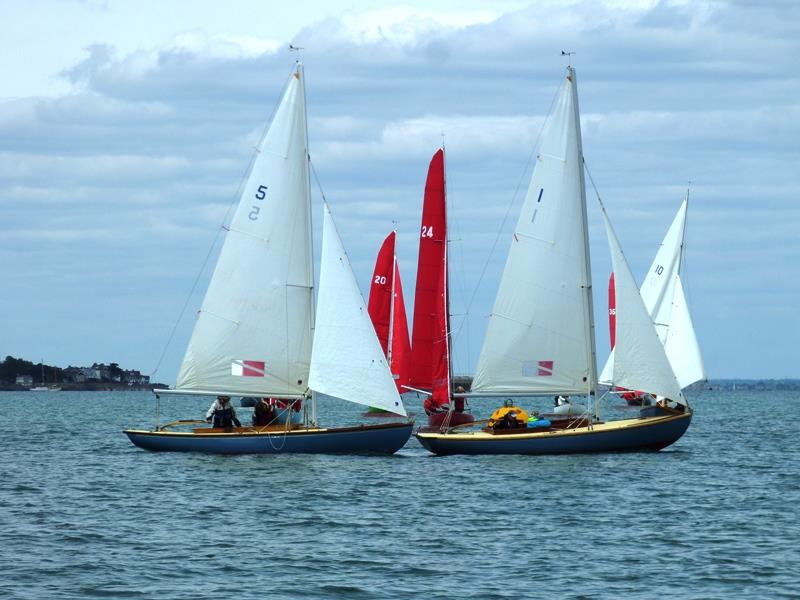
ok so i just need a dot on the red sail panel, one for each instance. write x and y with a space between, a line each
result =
612 311
380 291
429 337
401 345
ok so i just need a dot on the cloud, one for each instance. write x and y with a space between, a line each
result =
125 180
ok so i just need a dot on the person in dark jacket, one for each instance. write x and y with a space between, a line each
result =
223 413
264 413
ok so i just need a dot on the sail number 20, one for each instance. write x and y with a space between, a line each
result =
260 194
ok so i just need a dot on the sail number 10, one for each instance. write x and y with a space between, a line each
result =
260 194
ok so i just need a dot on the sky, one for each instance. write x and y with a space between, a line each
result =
126 129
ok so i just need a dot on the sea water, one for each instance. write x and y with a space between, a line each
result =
85 514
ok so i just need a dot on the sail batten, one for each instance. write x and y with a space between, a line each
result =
540 337
253 332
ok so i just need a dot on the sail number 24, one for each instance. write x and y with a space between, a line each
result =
261 193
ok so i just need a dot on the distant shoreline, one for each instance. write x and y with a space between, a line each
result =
89 386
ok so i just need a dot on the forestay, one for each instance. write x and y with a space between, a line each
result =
640 362
253 332
347 361
540 336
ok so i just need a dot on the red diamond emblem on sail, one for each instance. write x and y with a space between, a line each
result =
248 368
545 368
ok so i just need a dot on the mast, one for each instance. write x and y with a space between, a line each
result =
309 229
446 291
390 337
591 351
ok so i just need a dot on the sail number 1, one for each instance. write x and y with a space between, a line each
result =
261 193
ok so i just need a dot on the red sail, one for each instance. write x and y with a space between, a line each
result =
612 311
380 291
429 344
401 345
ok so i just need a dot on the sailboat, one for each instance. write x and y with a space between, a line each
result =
662 294
44 387
257 333
388 314
430 340
540 336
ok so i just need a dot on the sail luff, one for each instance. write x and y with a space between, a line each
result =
253 331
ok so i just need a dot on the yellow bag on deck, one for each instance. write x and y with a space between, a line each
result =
508 414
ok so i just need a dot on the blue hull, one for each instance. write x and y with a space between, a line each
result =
385 438
636 435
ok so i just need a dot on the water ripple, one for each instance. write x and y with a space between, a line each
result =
85 514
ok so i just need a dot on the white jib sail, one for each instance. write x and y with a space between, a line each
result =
682 348
347 360
540 336
253 331
660 296
640 362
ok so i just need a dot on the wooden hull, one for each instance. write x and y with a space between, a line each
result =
640 434
384 438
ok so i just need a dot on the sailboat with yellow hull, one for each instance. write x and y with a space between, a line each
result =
540 336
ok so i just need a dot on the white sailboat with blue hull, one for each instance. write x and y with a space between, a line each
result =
256 334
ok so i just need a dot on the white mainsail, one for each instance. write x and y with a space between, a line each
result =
540 336
347 360
663 297
640 362
253 331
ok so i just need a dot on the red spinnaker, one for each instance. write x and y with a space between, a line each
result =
612 311
430 368
400 362
380 291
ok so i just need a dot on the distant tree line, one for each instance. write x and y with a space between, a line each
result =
13 368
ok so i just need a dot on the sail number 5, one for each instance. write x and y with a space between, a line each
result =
427 232
261 193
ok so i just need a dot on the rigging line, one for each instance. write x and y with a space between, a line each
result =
316 179
234 200
512 202
591 180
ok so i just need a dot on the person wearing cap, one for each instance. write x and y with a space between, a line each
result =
223 413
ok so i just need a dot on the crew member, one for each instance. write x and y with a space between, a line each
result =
223 413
